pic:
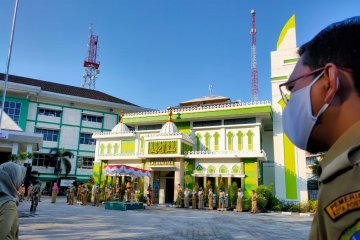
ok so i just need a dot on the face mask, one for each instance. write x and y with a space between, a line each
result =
298 120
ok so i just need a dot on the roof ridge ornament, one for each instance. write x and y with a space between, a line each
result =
170 113
121 116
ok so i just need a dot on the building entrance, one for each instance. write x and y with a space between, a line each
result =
169 190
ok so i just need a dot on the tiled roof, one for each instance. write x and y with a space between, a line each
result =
66 89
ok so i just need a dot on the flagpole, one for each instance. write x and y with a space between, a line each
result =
8 63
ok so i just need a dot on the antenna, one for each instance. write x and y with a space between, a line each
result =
254 72
210 89
91 66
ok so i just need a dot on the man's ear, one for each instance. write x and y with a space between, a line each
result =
331 72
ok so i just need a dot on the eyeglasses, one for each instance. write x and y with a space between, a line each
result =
285 88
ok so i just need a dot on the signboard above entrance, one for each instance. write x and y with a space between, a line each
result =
162 162
163 147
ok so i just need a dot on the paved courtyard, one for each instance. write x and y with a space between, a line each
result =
61 221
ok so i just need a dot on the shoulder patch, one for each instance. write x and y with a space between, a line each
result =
351 233
343 205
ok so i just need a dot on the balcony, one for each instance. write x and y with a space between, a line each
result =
260 154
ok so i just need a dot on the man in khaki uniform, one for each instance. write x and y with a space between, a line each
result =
323 115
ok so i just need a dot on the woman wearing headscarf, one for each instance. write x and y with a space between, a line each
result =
11 177
55 191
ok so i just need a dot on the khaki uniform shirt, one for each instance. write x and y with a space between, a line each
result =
338 213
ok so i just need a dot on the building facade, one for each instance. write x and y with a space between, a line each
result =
65 117
192 145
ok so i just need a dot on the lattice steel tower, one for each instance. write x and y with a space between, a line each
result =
91 66
254 72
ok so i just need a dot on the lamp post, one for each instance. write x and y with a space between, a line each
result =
8 65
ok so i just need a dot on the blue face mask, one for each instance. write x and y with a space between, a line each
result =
298 120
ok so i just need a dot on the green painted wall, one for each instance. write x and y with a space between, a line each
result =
23 111
189 166
251 176
199 115
183 127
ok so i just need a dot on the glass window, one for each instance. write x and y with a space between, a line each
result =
150 127
13 110
86 162
207 123
239 121
48 134
86 138
48 112
43 159
91 118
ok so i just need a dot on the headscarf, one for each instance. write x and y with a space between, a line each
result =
11 177
55 188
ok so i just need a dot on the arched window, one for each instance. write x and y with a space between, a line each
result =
235 169
216 141
211 169
223 169
250 136
198 138
240 140
142 144
199 169
102 148
230 136
207 141
109 148
116 148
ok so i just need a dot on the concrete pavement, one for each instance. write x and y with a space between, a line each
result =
61 221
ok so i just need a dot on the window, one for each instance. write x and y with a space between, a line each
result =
86 162
91 118
216 141
150 127
49 135
43 159
250 136
198 142
240 140
230 136
207 123
48 112
85 138
239 121
13 110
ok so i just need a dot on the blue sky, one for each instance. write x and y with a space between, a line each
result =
157 53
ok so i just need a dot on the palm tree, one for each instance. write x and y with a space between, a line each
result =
61 158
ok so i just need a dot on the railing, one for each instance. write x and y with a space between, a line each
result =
238 152
198 108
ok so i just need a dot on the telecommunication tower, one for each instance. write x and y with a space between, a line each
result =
254 72
91 66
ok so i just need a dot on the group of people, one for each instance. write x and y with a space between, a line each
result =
197 199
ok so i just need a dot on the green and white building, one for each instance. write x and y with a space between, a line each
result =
212 138
53 115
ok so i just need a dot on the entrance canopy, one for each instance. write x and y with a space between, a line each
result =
123 170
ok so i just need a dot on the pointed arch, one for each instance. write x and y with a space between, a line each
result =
240 140
223 169
198 141
142 144
207 141
235 169
199 169
116 148
211 169
250 136
216 141
109 148
230 136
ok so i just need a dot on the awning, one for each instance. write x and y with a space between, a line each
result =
123 170
217 175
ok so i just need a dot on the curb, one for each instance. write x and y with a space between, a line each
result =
294 213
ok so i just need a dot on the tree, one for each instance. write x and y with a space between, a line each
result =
61 158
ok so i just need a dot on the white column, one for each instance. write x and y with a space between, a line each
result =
178 176
15 148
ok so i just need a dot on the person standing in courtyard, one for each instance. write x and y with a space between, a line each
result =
78 193
186 198
201 198
35 197
55 191
29 193
128 190
71 195
239 201
253 202
22 193
193 199
96 195
323 115
149 195
221 200
179 196
84 191
11 177
211 199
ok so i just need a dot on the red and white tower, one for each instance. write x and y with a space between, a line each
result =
90 64
254 73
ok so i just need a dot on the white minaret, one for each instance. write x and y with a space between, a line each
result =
289 161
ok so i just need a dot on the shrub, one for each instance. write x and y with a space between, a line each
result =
233 194
247 204
261 202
